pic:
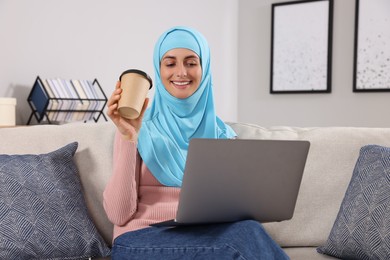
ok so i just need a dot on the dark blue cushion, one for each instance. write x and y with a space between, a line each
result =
362 227
43 214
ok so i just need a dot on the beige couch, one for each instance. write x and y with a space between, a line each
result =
331 160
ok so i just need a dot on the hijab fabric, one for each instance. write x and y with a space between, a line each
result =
170 123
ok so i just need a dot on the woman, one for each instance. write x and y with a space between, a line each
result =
149 158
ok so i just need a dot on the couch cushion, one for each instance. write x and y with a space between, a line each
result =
305 253
42 209
330 163
93 157
362 227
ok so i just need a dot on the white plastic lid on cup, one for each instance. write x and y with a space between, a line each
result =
7 111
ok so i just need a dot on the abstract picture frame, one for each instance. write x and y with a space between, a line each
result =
372 46
301 47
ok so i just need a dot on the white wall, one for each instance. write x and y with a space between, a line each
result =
90 39
99 39
341 107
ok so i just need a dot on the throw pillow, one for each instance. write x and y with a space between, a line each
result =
43 214
362 227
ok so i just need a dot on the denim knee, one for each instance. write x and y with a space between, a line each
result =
222 252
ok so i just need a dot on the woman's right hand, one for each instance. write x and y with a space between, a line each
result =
129 128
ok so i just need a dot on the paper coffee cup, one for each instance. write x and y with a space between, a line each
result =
135 85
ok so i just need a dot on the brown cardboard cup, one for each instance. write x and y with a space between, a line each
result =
135 85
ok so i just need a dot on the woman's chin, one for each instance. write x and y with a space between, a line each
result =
181 92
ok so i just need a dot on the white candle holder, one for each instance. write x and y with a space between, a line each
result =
7 111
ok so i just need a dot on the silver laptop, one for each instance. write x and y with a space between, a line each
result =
228 180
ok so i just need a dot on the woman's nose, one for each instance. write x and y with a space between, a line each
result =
181 71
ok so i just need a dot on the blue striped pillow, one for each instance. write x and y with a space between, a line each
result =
362 227
43 214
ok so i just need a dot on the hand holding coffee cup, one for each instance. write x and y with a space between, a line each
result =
135 85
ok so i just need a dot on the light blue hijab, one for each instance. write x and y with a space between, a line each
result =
170 122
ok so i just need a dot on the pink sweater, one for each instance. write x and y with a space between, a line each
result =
133 198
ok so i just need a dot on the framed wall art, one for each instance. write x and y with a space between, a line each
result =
301 46
372 46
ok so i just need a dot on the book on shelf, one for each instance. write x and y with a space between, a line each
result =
85 102
53 103
60 116
58 100
88 93
40 97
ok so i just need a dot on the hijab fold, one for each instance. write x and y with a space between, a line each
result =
170 123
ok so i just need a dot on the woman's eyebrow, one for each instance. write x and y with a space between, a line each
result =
187 57
191 57
169 57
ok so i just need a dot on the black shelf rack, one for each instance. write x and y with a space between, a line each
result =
60 101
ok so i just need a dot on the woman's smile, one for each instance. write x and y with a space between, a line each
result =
181 84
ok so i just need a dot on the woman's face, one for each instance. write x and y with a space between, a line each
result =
181 72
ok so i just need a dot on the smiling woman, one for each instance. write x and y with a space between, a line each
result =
181 72
149 163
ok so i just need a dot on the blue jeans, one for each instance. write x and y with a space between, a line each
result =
240 240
